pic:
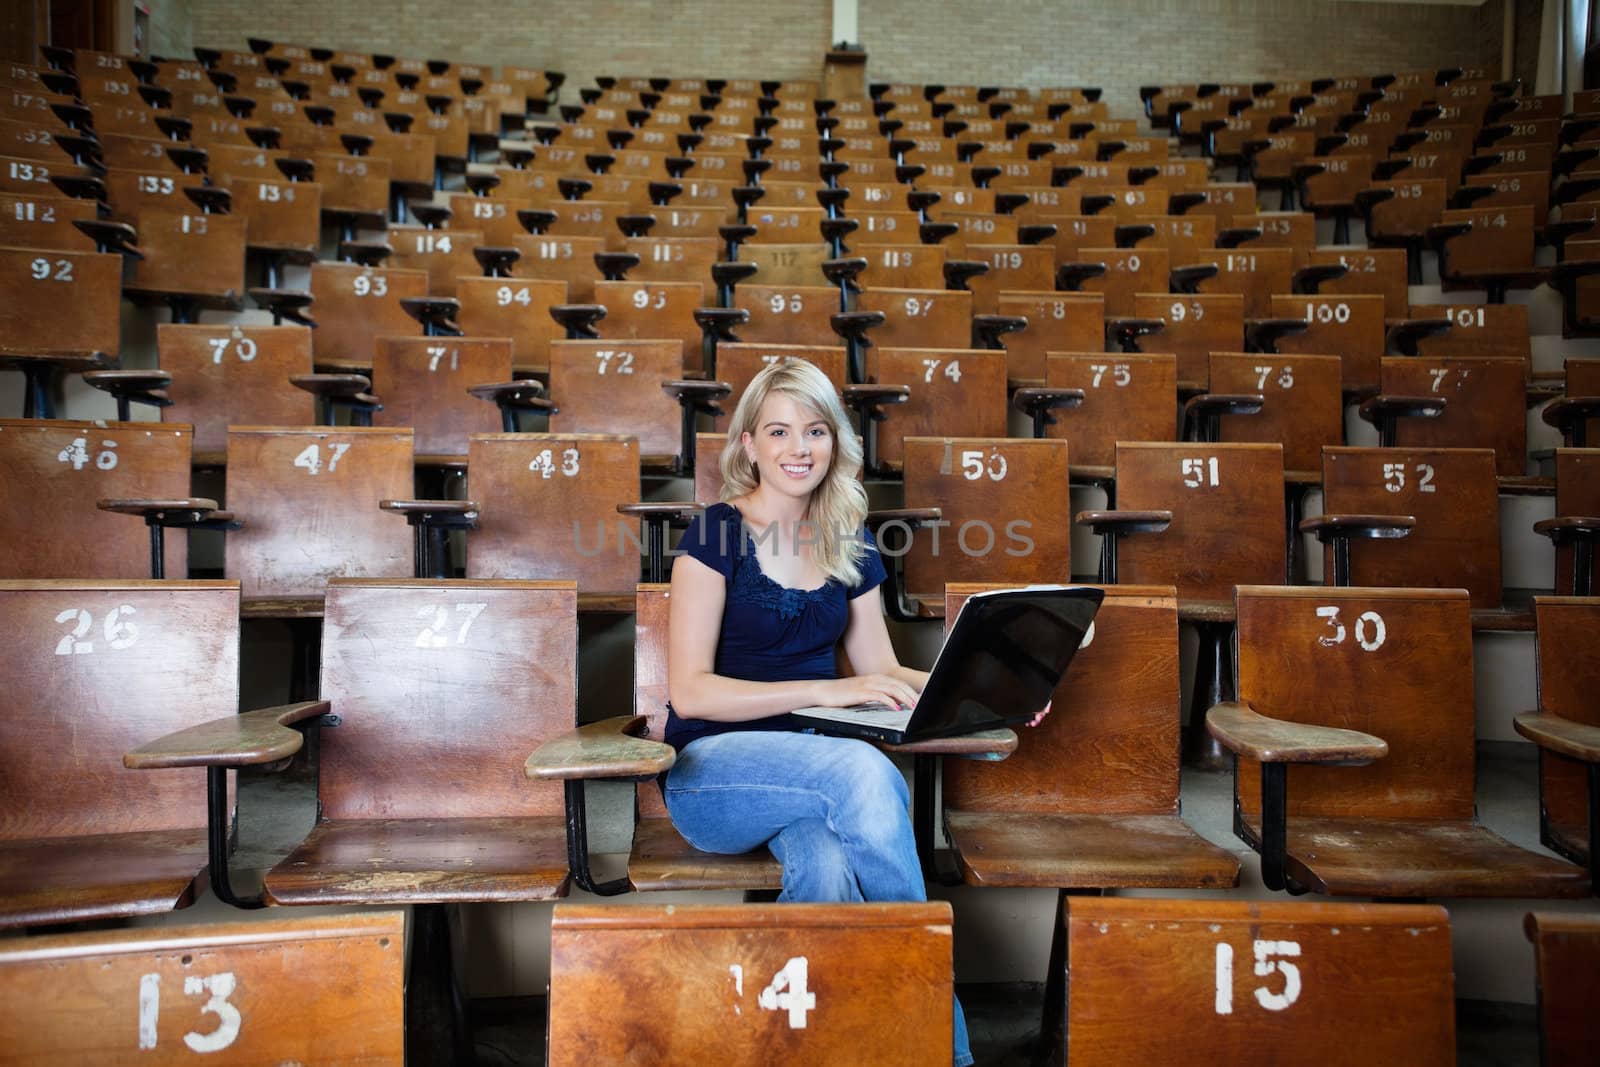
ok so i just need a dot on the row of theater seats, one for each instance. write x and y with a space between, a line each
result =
632 293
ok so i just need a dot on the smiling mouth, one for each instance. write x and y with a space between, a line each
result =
796 469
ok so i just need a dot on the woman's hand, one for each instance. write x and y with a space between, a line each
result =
1039 718
867 689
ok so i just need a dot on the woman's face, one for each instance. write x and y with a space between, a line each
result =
791 446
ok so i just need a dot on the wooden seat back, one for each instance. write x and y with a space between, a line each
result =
808 983
1350 327
1566 951
444 255
1005 513
356 305
234 375
189 254
612 387
1567 675
1057 322
738 363
1012 267
44 222
1369 270
443 687
654 311
1195 327
954 391
423 382
1294 230
98 668
548 510
1302 405
788 314
1239 981
56 471
309 501
1476 331
1583 379
280 216
1453 495
1501 240
1127 397
518 308
1485 406
919 318
1129 272
1577 493
1395 663
1114 748
1227 516
59 302
166 994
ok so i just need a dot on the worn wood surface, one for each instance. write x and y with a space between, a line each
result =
301 528
919 318
1477 330
1453 496
614 387
1577 494
877 984
788 314
1005 505
1090 798
1566 956
1227 524
1568 677
1129 272
100 668
1485 406
549 509
423 383
1012 268
195 255
739 362
1380 271
354 306
657 311
444 254
1195 327
1372 983
1057 322
564 258
1268 740
1348 326
75 307
251 737
57 471
605 749
1302 408
234 376
1583 379
518 308
1127 397
1253 271
956 392
88 997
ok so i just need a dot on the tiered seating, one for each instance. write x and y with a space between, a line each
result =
611 274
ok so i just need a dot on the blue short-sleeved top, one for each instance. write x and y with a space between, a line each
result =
770 632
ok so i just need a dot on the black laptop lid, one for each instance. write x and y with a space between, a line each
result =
1003 658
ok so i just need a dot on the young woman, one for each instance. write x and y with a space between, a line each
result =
772 579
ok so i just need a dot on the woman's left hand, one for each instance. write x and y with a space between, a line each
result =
1039 718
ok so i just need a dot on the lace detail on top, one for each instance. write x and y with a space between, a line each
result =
753 585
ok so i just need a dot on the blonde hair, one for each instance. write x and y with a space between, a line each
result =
839 504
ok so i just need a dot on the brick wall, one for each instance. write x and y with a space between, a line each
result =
735 38
1118 46
171 28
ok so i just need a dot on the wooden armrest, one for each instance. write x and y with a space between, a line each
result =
1570 409
680 389
1564 737
128 381
1248 733
985 744
864 395
912 517
1421 407
1370 526
1030 398
1565 528
1405 335
1122 523
354 386
1224 404
525 394
607 749
660 510
255 737
430 507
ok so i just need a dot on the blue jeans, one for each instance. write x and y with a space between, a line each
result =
833 811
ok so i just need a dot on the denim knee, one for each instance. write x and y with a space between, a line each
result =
816 867
872 793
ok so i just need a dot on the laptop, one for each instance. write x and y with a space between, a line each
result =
1005 654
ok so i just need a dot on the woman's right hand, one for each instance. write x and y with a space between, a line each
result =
867 689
